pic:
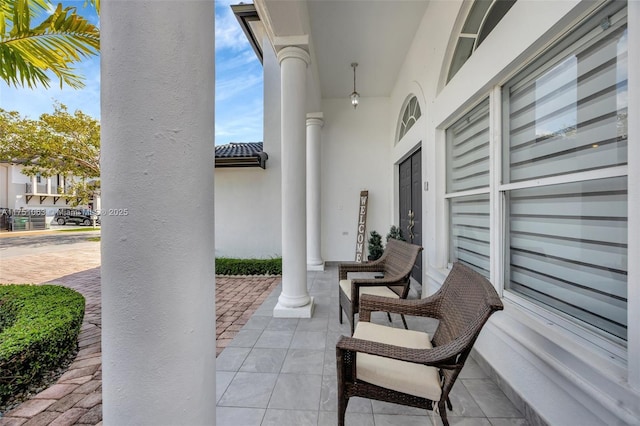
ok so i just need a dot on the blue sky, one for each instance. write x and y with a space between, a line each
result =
239 106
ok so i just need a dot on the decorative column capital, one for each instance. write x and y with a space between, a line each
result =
294 52
315 119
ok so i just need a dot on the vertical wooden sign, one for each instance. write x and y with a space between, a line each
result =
362 225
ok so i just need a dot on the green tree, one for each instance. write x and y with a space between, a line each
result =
28 50
57 143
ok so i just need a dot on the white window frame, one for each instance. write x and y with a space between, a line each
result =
610 346
448 196
633 197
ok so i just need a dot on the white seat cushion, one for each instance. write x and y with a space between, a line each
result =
384 291
401 376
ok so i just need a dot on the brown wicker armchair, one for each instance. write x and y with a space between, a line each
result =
405 366
395 265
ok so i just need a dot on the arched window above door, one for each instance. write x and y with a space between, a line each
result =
483 16
410 115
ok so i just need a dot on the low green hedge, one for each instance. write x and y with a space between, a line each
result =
228 266
39 328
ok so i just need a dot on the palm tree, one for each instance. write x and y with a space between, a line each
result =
28 53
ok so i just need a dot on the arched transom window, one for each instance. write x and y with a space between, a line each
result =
410 115
482 19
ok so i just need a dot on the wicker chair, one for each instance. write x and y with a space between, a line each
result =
395 265
405 366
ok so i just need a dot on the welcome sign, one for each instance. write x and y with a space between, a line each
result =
362 225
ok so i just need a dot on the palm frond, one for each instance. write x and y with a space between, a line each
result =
62 39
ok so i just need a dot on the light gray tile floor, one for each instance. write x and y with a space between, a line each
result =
282 371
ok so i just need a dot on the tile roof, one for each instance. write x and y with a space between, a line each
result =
236 154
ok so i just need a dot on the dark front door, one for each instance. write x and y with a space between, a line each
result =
411 205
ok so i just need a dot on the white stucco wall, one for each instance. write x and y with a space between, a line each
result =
17 187
248 211
565 378
12 190
355 149
4 186
248 202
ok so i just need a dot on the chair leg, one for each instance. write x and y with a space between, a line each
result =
340 314
353 326
342 408
389 316
404 321
443 412
449 405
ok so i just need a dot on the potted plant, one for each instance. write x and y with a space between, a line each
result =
375 246
396 233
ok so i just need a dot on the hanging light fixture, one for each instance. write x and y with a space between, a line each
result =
355 96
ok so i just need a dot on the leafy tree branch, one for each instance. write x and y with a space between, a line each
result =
57 143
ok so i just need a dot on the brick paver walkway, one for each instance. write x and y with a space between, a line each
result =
237 298
76 398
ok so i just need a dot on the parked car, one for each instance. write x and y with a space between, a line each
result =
77 216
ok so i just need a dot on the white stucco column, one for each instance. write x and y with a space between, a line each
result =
314 254
48 185
158 279
34 184
294 301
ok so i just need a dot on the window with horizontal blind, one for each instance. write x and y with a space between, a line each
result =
468 188
469 240
565 190
468 151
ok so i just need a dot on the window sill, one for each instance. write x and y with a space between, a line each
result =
590 375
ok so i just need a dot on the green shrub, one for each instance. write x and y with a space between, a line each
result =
229 266
375 246
395 233
39 328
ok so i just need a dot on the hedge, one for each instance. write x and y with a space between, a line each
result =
229 266
39 328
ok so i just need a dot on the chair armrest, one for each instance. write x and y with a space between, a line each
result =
373 282
345 268
429 307
440 356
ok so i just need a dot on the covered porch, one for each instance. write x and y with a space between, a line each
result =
282 372
550 167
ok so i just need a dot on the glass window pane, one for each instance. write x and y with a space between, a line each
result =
476 15
410 114
497 12
567 249
572 115
463 51
469 227
468 151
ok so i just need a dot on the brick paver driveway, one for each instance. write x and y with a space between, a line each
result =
76 398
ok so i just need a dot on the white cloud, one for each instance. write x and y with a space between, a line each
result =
230 88
229 35
236 62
